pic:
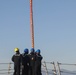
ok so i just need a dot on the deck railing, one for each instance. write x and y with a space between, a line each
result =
48 68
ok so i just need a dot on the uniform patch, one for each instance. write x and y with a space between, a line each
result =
32 58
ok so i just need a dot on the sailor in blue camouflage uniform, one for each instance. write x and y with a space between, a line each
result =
25 62
32 58
38 62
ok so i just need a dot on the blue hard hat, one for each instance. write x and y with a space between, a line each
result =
38 51
25 50
32 50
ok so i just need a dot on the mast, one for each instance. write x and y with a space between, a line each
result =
31 24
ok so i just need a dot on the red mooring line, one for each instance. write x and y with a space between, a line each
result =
31 24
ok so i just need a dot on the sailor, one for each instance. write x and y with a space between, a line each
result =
38 62
32 58
25 62
17 58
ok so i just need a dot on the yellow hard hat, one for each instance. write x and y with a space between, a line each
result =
16 49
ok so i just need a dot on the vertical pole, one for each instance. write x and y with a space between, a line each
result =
55 73
59 72
31 24
9 67
46 68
